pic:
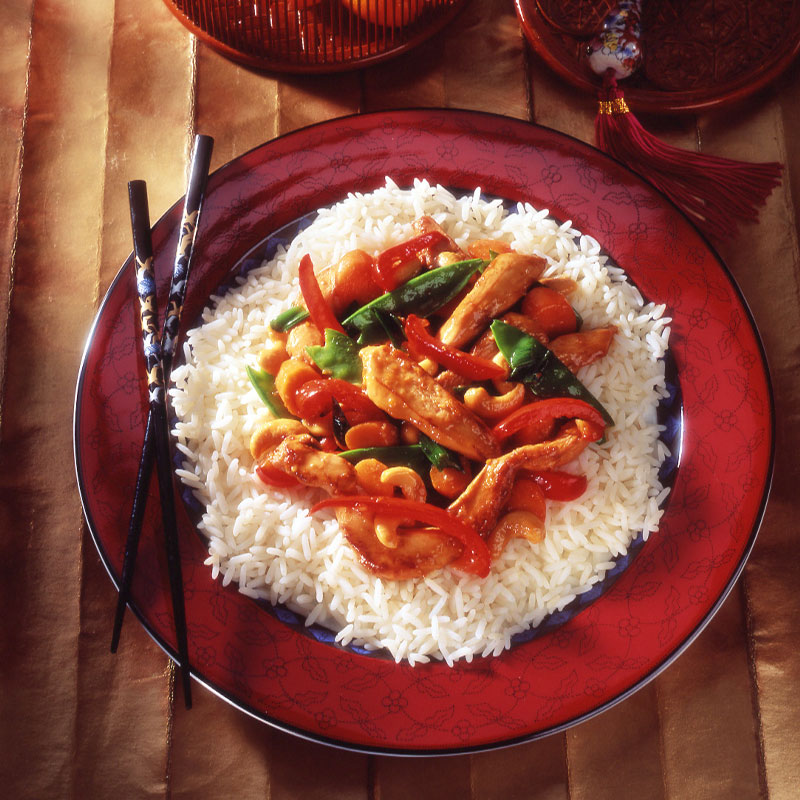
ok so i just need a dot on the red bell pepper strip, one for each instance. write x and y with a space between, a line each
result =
315 398
475 557
464 364
389 261
550 310
318 308
275 477
551 408
558 485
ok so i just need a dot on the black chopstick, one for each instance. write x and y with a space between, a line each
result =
156 433
193 203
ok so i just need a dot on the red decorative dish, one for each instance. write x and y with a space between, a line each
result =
657 605
697 55
308 36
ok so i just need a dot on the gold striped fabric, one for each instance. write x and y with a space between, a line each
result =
94 93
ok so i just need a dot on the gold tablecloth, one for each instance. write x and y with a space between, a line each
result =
95 93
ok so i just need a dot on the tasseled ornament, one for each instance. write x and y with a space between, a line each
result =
716 193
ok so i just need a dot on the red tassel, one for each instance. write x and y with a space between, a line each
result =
716 193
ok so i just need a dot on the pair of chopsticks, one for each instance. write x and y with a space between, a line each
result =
158 354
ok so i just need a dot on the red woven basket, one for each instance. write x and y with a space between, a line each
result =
313 35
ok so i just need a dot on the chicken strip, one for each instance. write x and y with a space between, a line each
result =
418 551
502 283
576 350
270 433
430 255
298 455
486 347
401 388
480 504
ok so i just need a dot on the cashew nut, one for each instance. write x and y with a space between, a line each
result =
502 385
371 434
514 525
272 356
491 407
406 480
411 487
368 474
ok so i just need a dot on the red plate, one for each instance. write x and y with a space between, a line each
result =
622 640
697 55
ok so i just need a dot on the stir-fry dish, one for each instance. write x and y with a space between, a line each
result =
430 391
429 474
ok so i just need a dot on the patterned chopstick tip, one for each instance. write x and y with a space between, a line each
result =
146 287
180 276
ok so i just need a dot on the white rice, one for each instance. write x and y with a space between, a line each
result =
265 540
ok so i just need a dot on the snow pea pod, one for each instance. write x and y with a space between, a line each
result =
539 368
411 455
419 457
338 356
264 384
422 295
440 457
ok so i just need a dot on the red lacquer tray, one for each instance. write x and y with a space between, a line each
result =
697 55
659 603
313 36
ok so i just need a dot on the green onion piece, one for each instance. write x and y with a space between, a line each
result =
286 320
338 356
439 456
264 384
539 368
